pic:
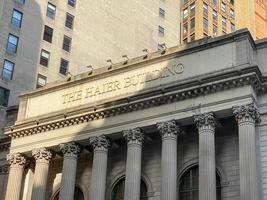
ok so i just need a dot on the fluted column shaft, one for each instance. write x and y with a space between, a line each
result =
168 131
246 117
42 159
207 168
99 171
67 187
17 163
134 140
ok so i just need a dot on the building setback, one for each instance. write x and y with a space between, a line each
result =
43 41
171 124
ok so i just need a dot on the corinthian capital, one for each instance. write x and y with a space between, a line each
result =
16 160
168 129
99 143
247 112
205 120
42 155
70 149
134 136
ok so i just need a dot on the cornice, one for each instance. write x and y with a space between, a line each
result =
225 81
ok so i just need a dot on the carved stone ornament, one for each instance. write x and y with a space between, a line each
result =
16 160
247 113
168 128
70 149
205 120
134 136
100 143
42 155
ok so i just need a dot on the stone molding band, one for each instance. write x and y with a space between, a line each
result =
248 79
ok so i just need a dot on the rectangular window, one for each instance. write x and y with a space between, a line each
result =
161 30
232 14
48 34
51 11
4 96
69 21
192 23
223 8
161 13
192 9
8 68
232 2
232 27
20 1
16 18
185 26
66 43
205 9
72 2
224 22
64 64
41 81
214 31
214 2
44 57
214 15
12 43
205 23
185 13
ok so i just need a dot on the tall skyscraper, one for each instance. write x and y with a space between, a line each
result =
200 18
43 41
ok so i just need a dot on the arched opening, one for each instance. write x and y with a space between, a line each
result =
189 186
78 194
118 190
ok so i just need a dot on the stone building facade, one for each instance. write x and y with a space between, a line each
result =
43 41
184 123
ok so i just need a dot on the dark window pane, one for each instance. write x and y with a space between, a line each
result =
20 1
69 21
41 81
4 96
63 67
12 43
8 69
48 34
44 58
66 43
16 18
72 2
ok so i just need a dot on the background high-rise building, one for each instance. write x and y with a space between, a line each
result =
200 18
42 41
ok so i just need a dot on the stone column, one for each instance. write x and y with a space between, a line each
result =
99 171
17 164
207 168
134 140
42 159
67 187
247 116
168 131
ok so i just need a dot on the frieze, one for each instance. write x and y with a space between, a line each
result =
175 96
